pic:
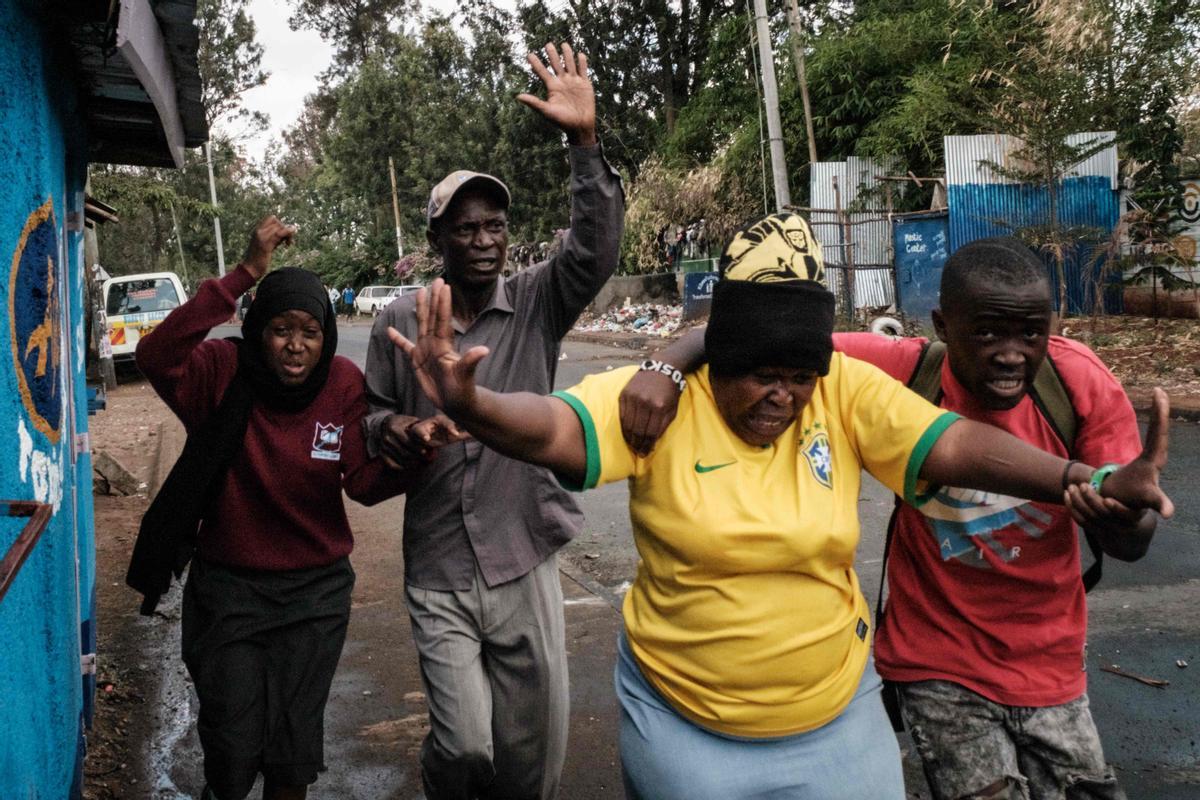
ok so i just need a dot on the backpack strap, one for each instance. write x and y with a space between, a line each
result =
1050 395
926 378
891 692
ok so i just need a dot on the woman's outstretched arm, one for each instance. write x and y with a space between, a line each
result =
529 427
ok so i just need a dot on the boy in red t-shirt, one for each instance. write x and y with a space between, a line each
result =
986 617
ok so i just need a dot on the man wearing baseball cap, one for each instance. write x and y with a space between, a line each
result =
481 530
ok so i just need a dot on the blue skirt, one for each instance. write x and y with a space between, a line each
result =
665 756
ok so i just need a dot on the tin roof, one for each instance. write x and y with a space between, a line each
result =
137 61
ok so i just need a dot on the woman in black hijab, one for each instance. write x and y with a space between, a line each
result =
255 503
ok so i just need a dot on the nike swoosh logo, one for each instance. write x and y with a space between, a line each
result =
703 469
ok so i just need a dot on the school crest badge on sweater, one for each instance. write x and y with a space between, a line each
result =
327 442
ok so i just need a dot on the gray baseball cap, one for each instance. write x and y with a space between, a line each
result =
455 182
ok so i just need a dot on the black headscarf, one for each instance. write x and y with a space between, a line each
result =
283 290
167 535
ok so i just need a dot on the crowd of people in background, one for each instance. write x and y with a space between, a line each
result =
676 242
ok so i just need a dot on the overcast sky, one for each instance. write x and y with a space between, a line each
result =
293 59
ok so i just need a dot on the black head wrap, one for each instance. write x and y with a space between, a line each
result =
167 536
770 306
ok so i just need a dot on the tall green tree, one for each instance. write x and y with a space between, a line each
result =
1147 68
230 61
1099 65
357 29
649 58
891 79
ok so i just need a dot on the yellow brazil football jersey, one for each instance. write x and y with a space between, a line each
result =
746 613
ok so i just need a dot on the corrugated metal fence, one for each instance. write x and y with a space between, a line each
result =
856 244
984 202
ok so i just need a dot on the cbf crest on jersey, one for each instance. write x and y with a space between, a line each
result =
815 449
33 312
327 442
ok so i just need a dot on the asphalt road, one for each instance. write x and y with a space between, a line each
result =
1143 617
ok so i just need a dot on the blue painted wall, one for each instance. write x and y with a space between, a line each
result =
981 210
42 408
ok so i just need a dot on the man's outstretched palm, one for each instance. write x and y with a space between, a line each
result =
570 101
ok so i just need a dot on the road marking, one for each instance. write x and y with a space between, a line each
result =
590 600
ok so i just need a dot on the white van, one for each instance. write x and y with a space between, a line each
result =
135 304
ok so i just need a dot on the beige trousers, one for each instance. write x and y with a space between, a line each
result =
494 666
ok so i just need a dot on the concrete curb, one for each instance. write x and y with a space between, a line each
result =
570 569
629 341
1182 408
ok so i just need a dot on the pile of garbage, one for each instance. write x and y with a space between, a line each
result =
652 319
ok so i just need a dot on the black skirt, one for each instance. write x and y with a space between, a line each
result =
262 647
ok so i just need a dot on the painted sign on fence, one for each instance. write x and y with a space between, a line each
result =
697 294
922 246
1187 243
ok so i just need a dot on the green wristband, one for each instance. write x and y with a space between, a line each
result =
1100 474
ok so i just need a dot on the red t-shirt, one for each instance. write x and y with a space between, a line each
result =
279 506
985 589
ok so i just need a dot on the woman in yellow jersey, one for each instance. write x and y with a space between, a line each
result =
744 668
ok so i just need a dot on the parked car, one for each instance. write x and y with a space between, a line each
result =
135 304
373 299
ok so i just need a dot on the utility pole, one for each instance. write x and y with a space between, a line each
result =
179 244
797 39
396 209
212 192
783 195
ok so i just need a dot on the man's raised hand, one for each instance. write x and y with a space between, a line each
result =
446 376
1135 485
570 101
269 234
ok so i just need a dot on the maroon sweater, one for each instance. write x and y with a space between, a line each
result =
279 505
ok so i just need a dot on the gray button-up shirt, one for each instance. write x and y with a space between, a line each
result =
472 504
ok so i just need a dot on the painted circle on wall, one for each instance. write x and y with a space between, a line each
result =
33 312
1191 202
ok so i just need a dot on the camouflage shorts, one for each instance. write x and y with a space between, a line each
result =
974 749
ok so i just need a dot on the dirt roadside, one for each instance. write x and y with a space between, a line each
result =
127 683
